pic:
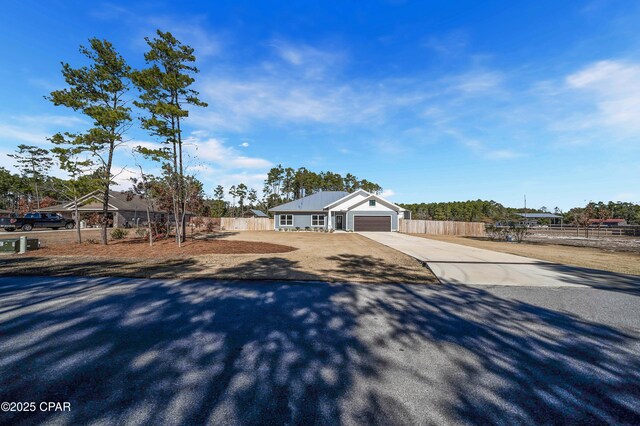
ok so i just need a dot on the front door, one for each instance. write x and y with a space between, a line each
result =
339 221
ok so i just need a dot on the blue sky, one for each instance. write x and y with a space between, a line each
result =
435 101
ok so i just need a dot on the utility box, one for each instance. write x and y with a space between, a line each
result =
32 244
12 245
9 245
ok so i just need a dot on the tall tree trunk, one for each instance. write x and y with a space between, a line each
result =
175 173
35 184
77 213
176 219
181 188
149 226
105 198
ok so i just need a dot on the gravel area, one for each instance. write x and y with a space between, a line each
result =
610 244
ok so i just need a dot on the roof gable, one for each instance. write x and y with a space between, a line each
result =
380 200
346 198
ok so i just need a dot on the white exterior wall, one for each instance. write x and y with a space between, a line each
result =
379 207
349 203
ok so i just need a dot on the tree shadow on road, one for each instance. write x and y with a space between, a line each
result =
514 362
594 278
191 352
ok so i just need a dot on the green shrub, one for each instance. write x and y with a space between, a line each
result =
119 233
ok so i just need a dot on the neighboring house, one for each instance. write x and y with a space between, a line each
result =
123 208
608 222
532 219
339 210
255 213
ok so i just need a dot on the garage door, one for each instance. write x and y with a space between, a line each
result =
372 223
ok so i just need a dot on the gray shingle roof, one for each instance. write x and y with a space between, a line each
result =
539 215
311 203
258 213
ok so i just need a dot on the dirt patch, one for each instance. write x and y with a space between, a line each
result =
162 249
610 244
586 257
300 256
54 237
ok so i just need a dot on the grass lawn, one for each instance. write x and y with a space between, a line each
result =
256 255
586 257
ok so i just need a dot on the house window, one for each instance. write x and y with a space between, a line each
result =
372 203
286 220
317 220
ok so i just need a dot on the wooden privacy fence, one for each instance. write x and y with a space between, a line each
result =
439 227
246 224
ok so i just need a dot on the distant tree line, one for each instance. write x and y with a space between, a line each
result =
601 210
463 211
283 184
492 211
18 190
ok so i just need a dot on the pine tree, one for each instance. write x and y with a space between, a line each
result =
99 92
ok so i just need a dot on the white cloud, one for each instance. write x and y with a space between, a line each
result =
9 134
189 31
613 87
626 196
478 82
451 44
244 144
387 193
215 151
35 129
308 61
123 175
483 149
144 144
43 120
501 154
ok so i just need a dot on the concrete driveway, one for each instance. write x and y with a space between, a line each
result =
458 264
170 352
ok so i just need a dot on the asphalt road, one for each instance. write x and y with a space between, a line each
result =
134 351
458 264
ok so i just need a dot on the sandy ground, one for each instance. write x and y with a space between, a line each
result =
339 257
137 248
586 257
54 237
608 243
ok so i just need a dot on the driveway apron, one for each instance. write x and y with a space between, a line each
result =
458 264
